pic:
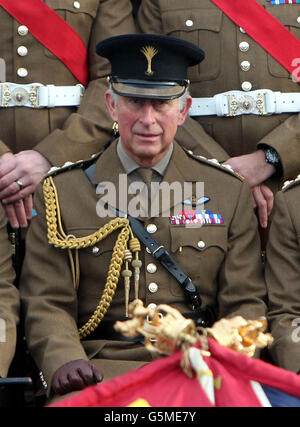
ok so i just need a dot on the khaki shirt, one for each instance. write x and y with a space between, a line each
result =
223 260
9 300
203 23
282 277
64 133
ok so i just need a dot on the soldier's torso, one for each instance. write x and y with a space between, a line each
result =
200 251
230 65
28 61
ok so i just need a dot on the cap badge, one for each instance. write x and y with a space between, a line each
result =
149 52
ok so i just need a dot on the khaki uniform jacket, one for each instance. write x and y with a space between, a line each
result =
64 133
9 301
282 277
203 23
226 266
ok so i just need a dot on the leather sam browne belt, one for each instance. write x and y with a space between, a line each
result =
36 95
202 316
235 103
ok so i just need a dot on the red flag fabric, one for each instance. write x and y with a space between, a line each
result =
237 383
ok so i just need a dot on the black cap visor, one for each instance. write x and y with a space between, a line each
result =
148 89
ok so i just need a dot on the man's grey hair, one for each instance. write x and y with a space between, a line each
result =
182 99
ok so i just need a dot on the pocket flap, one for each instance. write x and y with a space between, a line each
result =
199 238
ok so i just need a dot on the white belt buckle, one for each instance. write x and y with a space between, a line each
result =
20 96
239 103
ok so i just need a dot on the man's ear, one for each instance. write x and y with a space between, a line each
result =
111 106
184 112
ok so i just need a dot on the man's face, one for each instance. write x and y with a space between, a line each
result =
147 126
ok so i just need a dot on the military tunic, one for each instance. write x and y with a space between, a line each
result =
282 277
223 260
9 301
234 61
61 133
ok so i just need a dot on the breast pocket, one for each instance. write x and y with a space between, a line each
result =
288 15
79 14
199 252
201 27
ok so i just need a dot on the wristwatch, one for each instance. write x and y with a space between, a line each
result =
271 155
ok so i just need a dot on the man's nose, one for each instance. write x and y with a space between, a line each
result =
147 114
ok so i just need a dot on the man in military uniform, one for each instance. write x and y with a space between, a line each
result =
9 300
282 277
85 249
44 117
263 148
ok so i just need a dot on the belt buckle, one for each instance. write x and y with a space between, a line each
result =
20 96
247 104
5 96
34 96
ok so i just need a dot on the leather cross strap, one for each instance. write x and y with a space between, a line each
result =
53 32
266 30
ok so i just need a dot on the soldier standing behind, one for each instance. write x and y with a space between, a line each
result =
263 148
46 125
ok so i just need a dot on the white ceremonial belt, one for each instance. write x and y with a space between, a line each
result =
36 95
261 102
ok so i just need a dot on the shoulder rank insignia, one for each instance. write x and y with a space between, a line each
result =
72 165
216 163
292 183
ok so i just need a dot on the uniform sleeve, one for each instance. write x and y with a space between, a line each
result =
88 130
191 135
3 148
242 289
49 299
9 301
285 140
283 282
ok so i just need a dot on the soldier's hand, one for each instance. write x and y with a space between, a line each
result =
27 168
253 167
263 199
74 376
19 213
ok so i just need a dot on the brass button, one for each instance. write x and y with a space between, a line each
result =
246 86
244 46
95 250
153 287
189 23
22 72
201 244
23 30
22 51
151 228
151 268
245 65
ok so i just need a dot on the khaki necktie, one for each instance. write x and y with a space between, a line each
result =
146 175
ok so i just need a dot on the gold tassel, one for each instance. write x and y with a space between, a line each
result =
126 273
135 248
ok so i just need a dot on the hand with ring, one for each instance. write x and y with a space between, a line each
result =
20 174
